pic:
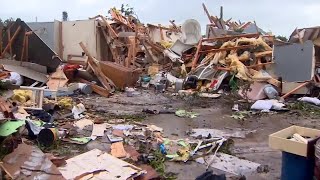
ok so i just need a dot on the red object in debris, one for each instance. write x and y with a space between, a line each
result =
70 69
213 83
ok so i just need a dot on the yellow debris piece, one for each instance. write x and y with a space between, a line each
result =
166 44
66 102
21 96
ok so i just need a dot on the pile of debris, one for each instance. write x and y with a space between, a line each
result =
124 54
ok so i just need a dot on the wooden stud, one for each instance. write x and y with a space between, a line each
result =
196 56
11 41
23 47
9 37
227 38
96 69
27 48
295 89
227 49
207 13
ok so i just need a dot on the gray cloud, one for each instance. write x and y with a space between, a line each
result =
278 16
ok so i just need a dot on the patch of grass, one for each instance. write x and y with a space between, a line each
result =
158 164
306 109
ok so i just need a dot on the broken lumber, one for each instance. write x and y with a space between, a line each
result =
295 89
11 41
96 69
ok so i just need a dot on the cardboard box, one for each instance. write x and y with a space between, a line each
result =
280 141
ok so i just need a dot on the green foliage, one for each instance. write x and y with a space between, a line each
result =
158 164
127 10
65 16
5 23
306 109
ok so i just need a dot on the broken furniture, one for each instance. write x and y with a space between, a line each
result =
37 96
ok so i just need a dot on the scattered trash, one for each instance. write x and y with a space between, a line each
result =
230 164
117 150
213 133
96 164
29 162
235 107
312 100
9 127
78 110
208 95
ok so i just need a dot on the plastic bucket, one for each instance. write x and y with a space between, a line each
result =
47 136
85 88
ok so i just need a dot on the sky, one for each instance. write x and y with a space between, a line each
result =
280 17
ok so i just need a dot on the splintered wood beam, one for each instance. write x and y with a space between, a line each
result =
227 38
295 89
11 41
23 46
96 69
27 48
227 49
207 13
111 30
196 56
9 37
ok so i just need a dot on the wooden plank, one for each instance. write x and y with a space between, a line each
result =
9 37
23 46
207 13
262 54
227 38
227 49
27 48
196 56
295 89
57 79
113 33
96 69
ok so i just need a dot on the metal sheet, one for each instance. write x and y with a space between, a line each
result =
295 62
29 162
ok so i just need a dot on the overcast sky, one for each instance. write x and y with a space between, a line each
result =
278 16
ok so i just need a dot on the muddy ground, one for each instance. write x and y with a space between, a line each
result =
213 113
